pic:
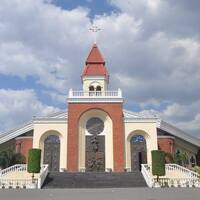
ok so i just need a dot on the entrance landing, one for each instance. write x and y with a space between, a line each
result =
94 180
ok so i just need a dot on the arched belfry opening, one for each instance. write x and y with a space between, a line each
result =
91 88
98 88
138 152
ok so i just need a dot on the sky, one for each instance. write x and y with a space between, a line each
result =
151 48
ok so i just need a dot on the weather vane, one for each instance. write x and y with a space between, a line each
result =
95 29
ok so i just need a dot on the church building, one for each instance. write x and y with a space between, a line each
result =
96 133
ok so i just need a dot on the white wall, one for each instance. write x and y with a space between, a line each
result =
43 129
88 81
148 130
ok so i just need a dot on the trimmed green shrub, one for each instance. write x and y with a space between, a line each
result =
34 161
158 163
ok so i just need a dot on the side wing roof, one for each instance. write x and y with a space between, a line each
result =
128 115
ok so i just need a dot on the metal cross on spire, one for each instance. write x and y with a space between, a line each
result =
95 29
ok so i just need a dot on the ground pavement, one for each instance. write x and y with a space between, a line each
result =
102 194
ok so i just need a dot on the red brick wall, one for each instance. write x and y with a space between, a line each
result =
166 144
115 111
23 145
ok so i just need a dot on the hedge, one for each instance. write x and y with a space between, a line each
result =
34 161
158 163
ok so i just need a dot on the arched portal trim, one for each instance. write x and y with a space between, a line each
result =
107 132
51 143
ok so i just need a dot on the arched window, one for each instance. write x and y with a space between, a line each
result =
91 88
98 90
138 152
192 161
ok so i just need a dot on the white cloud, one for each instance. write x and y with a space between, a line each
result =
152 50
41 40
186 117
192 125
19 106
153 5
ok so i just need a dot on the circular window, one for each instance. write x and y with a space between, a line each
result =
95 126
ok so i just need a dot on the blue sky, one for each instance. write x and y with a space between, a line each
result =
97 7
151 48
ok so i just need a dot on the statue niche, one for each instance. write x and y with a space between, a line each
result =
95 145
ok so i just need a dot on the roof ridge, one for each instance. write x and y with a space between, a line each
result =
95 56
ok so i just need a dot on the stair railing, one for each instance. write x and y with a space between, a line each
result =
145 170
190 178
43 174
187 172
14 168
21 183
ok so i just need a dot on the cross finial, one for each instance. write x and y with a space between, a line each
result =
95 29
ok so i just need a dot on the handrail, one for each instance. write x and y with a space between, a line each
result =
188 172
43 174
20 182
17 167
147 176
189 178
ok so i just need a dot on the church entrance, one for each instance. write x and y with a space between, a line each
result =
138 152
52 152
95 146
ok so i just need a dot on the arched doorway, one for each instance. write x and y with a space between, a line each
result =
52 152
105 138
95 145
138 152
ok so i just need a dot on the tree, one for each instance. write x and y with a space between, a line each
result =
34 162
185 159
158 163
177 158
169 158
9 158
181 158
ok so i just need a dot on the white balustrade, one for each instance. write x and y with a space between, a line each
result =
185 171
22 183
15 183
14 168
43 174
94 94
184 177
145 170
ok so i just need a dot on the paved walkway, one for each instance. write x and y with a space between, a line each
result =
102 194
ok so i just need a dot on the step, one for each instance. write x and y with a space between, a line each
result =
94 180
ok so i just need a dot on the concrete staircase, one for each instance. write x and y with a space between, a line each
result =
94 180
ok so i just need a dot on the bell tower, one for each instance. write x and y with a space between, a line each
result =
95 98
95 77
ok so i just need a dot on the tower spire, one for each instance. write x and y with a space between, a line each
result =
95 64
